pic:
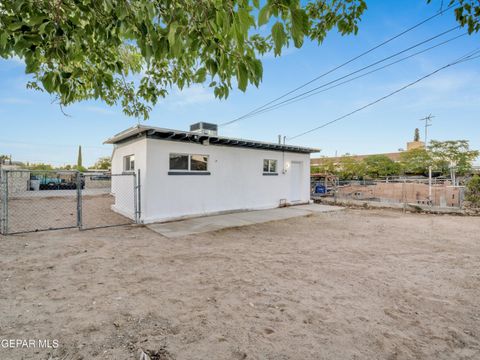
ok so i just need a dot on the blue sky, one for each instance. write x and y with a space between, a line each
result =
35 130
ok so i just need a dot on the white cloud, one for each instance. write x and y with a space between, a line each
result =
448 82
15 60
285 52
193 95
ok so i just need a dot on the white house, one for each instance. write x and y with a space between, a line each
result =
192 173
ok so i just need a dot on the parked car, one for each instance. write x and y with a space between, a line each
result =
55 183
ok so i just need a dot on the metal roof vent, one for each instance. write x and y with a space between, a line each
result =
204 128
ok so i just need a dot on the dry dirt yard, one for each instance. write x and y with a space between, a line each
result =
358 284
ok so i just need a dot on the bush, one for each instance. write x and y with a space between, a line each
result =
472 195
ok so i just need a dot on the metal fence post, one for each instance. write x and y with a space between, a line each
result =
135 205
79 201
4 204
139 198
335 193
461 197
5 224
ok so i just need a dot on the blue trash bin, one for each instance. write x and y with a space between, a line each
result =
320 189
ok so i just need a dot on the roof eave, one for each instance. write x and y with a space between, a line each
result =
214 140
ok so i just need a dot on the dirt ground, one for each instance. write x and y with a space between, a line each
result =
359 284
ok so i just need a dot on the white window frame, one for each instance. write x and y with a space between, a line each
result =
189 163
129 163
269 170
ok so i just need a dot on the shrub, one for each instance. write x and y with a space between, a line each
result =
472 195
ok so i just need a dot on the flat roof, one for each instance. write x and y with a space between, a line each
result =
141 131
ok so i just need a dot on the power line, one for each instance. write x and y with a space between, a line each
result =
440 12
252 113
464 58
52 145
294 100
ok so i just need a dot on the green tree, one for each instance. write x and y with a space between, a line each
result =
326 166
472 193
79 168
103 163
467 13
79 158
381 166
4 159
349 168
415 161
456 153
416 137
89 49
40 166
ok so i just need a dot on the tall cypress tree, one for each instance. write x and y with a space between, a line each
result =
417 135
79 159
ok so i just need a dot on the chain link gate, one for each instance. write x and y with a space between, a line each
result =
38 200
48 200
108 200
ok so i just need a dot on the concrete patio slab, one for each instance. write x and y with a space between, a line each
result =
217 222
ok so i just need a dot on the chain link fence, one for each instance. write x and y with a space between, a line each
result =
47 200
108 200
440 193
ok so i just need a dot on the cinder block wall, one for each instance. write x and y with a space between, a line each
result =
18 182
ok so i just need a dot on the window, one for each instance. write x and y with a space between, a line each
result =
198 162
129 163
188 164
178 162
269 167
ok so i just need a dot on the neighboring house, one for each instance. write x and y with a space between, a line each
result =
395 156
193 173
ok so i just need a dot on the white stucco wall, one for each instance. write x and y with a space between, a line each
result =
122 186
236 180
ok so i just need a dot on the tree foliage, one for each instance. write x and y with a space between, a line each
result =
79 157
415 161
416 136
86 49
472 193
4 159
103 163
456 153
131 52
39 166
467 13
326 166
381 166
350 168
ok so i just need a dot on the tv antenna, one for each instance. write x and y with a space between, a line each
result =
428 123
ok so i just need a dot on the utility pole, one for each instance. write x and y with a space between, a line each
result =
430 185
428 123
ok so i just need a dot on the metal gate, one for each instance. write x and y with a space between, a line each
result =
47 200
108 200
